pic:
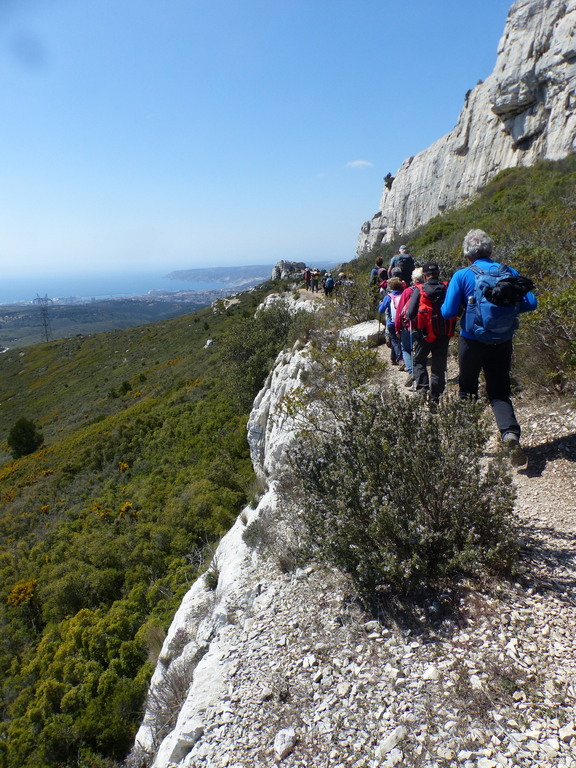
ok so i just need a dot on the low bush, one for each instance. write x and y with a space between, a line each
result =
398 497
250 346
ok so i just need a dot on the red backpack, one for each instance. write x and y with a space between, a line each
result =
429 319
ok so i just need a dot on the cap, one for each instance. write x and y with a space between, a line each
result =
431 268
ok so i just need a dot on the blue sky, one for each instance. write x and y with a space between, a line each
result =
138 134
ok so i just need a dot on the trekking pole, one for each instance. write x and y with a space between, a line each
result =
411 355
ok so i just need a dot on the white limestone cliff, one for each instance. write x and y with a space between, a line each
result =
523 112
195 647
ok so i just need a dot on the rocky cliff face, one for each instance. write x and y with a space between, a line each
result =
192 676
522 113
282 270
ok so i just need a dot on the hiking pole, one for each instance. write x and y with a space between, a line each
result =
411 355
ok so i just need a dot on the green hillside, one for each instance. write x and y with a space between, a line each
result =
102 530
22 325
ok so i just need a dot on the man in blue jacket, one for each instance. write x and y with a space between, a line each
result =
474 356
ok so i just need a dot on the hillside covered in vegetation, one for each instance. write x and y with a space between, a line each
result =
144 465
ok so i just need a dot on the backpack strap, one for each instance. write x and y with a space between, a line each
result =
502 269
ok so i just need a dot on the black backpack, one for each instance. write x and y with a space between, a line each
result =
406 264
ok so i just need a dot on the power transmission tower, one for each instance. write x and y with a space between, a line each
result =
44 303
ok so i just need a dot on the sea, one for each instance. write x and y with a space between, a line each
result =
97 287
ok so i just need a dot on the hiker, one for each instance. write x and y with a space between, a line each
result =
388 307
431 333
405 262
378 272
328 284
396 272
315 278
480 347
404 326
307 278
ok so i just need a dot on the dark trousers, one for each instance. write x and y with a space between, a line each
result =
438 348
495 360
396 349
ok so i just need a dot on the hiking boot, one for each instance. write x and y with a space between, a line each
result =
401 366
409 380
511 442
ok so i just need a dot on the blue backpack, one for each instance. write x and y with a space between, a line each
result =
489 322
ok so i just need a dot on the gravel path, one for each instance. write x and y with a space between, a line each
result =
316 683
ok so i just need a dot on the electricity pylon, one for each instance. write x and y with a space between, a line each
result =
44 303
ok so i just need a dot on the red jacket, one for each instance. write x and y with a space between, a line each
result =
401 319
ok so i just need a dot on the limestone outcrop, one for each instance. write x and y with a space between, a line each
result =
284 269
523 112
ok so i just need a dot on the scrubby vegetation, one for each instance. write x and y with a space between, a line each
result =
24 438
105 527
398 497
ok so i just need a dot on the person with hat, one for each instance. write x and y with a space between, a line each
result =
405 262
431 334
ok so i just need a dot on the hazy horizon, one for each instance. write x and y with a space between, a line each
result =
140 134
115 283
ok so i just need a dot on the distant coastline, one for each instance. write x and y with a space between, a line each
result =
83 289
205 284
87 304
235 276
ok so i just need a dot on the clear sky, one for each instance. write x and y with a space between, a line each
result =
139 134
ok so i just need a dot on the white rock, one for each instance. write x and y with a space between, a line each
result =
475 682
567 732
284 743
551 747
282 270
431 673
372 332
394 757
486 762
391 740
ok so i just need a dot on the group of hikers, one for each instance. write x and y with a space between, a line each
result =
313 278
421 311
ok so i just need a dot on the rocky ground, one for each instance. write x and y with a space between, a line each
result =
314 681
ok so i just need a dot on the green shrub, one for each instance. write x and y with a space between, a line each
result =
396 496
24 438
546 348
211 578
250 346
